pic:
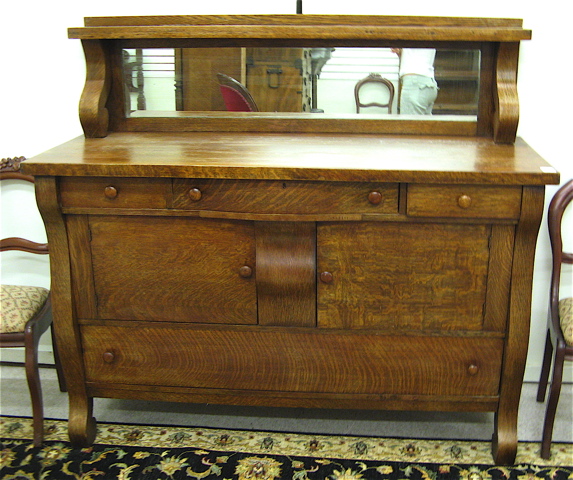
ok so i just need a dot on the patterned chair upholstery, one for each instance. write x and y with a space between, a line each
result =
26 312
560 319
20 304
566 319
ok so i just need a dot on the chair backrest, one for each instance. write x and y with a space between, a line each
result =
236 96
557 208
377 79
10 170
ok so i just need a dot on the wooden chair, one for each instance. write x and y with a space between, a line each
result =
26 312
236 96
560 318
377 79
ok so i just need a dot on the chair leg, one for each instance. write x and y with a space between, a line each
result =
554 393
545 369
59 371
35 387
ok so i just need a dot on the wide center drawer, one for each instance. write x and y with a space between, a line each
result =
285 197
295 361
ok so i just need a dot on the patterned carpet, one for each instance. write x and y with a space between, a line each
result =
134 452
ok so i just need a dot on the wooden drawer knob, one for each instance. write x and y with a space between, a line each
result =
473 369
110 192
195 194
375 198
464 201
326 277
108 357
245 271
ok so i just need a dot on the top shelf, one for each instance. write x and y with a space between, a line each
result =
303 27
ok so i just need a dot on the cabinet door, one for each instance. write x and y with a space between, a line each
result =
418 276
173 269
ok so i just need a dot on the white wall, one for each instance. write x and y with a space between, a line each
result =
43 72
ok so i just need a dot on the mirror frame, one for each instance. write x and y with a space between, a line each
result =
102 105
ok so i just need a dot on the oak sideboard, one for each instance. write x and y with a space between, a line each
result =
293 259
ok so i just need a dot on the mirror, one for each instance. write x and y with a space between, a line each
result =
300 80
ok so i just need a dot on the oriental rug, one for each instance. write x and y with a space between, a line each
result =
138 452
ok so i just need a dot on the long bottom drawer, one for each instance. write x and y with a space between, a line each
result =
292 361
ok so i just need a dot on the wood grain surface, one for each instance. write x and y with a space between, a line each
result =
316 157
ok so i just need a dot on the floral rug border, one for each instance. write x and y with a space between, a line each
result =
293 444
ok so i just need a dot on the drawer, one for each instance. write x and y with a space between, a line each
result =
475 201
292 361
285 197
103 192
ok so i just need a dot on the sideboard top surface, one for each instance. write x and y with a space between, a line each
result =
316 157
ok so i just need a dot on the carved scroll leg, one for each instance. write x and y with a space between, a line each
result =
504 447
504 443
82 424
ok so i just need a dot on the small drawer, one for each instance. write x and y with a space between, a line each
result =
471 201
112 192
285 197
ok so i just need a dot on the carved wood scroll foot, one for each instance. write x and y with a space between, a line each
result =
82 424
504 447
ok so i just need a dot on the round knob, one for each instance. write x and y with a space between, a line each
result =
473 369
464 201
108 357
110 192
195 194
374 198
245 271
326 277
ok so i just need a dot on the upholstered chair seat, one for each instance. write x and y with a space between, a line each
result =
566 319
18 305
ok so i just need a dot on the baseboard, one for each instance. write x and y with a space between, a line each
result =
16 355
532 373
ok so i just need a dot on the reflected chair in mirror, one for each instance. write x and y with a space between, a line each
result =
559 338
26 312
379 81
236 96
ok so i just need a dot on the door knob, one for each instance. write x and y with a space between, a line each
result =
326 277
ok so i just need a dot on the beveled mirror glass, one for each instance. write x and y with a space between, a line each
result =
301 80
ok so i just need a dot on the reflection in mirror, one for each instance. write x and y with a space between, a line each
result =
313 80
